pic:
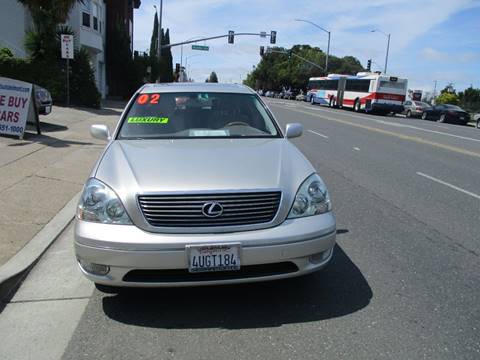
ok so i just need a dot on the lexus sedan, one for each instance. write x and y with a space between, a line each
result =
199 185
446 113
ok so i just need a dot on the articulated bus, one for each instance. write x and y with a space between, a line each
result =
372 92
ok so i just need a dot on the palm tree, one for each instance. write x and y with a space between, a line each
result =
57 9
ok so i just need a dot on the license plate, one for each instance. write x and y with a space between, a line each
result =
222 257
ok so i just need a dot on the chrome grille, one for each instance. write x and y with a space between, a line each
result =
186 210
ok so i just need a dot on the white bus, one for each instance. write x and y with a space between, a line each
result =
372 92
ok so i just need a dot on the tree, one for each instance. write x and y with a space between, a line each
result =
154 64
213 77
167 59
277 69
447 98
470 99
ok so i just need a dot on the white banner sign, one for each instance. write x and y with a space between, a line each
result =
15 97
67 46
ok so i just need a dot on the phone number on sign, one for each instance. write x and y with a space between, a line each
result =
11 129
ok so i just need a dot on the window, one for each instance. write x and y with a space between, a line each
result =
197 115
95 16
357 85
85 19
392 84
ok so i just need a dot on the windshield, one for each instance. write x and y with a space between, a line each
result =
197 115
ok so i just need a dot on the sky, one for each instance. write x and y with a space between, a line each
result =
430 39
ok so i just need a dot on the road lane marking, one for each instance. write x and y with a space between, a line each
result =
449 185
317 133
356 148
397 124
395 134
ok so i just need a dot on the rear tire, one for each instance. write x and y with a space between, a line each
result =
441 119
424 116
409 114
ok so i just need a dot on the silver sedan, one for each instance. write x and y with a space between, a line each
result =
198 185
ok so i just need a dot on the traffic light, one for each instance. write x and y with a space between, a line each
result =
262 50
273 37
230 36
369 64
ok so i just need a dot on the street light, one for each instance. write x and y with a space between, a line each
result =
388 46
328 46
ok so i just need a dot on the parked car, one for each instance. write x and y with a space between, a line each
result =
300 97
414 108
43 100
476 118
209 192
269 94
446 113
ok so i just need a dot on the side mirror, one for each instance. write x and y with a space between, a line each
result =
100 132
294 130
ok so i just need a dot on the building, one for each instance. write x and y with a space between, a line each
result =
91 20
121 11
87 20
15 21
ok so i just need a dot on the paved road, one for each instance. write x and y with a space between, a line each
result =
404 282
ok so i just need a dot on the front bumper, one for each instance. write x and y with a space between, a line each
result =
128 249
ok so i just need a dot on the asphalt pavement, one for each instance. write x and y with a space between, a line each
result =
403 283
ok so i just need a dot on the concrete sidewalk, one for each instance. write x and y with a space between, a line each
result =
41 173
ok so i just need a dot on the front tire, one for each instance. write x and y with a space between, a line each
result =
424 116
356 106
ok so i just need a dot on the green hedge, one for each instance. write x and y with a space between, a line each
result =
52 76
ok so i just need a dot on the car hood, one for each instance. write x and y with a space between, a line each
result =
188 165
132 167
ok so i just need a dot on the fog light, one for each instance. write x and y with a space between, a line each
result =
319 257
95 269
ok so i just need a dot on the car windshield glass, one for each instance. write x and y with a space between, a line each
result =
453 107
197 115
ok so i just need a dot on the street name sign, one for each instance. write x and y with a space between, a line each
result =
200 47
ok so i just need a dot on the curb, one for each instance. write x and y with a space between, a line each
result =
14 270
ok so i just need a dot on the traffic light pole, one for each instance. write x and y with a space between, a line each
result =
212 38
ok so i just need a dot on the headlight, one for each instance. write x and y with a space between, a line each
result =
100 204
312 198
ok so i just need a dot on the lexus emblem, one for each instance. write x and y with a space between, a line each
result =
212 209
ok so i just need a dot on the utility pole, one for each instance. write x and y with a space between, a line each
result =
160 37
388 46
328 46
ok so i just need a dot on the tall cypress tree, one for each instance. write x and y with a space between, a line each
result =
168 59
155 68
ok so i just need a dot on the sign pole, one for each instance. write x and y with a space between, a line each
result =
67 53
68 82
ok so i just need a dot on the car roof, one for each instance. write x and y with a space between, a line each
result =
195 87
